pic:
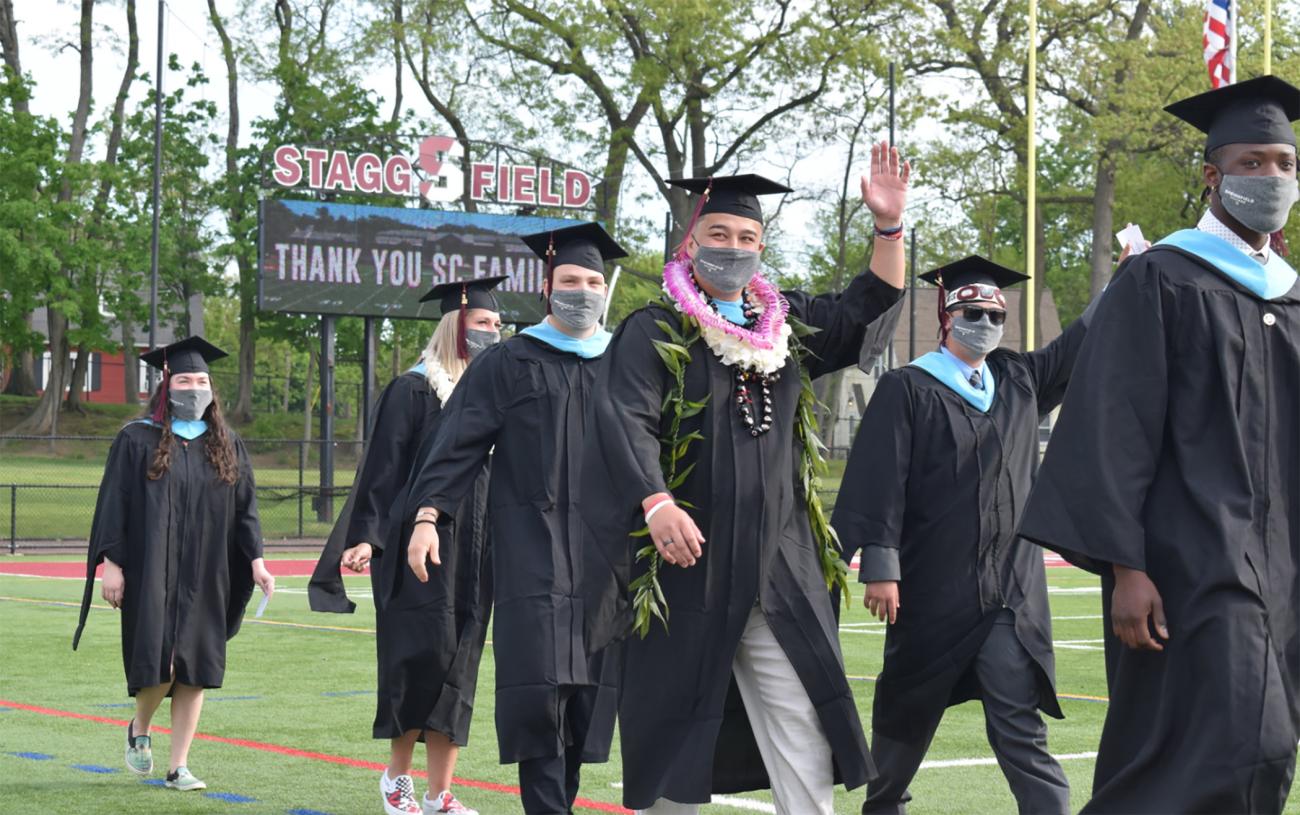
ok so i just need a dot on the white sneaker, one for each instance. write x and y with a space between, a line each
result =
446 804
399 794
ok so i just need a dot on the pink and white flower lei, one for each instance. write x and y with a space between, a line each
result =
762 349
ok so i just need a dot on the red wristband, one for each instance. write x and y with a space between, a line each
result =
651 501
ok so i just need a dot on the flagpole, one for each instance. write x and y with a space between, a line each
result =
1268 37
1031 193
1232 22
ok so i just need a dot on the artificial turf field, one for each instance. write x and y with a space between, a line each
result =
289 732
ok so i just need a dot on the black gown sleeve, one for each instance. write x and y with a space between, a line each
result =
1088 500
870 507
247 531
842 320
382 476
467 430
108 529
1050 366
620 468
633 383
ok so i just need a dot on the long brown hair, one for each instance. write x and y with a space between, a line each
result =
217 445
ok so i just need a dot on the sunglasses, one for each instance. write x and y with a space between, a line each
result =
973 314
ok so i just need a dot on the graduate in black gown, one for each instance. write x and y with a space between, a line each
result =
176 529
1173 474
931 497
529 398
744 686
429 636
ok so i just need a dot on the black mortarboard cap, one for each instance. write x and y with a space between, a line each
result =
732 194
587 245
1257 111
476 290
973 270
188 356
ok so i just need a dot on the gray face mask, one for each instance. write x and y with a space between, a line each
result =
979 338
726 270
189 404
577 309
1260 203
477 340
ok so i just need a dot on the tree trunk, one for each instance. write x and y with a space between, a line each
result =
130 364
1103 222
44 418
22 379
237 213
9 45
77 385
119 108
397 63
397 356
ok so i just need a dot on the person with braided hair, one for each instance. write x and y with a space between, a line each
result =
177 532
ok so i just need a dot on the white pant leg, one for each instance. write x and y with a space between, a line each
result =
665 807
785 725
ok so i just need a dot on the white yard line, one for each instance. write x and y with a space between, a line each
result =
986 762
751 805
1077 590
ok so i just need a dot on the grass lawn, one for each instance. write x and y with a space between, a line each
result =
305 681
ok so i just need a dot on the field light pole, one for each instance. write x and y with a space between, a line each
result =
157 199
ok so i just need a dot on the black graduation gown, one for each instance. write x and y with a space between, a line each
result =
1177 453
529 400
931 496
186 544
429 636
683 728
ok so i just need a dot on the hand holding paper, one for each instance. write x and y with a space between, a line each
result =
1131 241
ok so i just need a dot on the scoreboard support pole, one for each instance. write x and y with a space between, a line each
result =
368 376
325 509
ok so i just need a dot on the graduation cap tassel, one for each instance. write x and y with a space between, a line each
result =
160 409
550 270
695 217
462 345
943 315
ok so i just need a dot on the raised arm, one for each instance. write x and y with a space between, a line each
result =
842 319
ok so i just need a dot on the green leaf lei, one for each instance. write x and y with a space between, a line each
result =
648 601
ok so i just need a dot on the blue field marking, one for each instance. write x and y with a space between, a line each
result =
154 782
306 812
230 797
4 709
34 756
94 768
347 693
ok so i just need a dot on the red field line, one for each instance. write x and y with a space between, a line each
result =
278 749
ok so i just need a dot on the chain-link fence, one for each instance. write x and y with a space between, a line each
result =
48 488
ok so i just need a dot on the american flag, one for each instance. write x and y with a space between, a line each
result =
1216 40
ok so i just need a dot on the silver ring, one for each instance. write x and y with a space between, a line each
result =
668 542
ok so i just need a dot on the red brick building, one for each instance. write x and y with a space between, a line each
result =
105 379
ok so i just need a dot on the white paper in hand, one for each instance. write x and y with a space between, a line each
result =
1131 236
261 607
